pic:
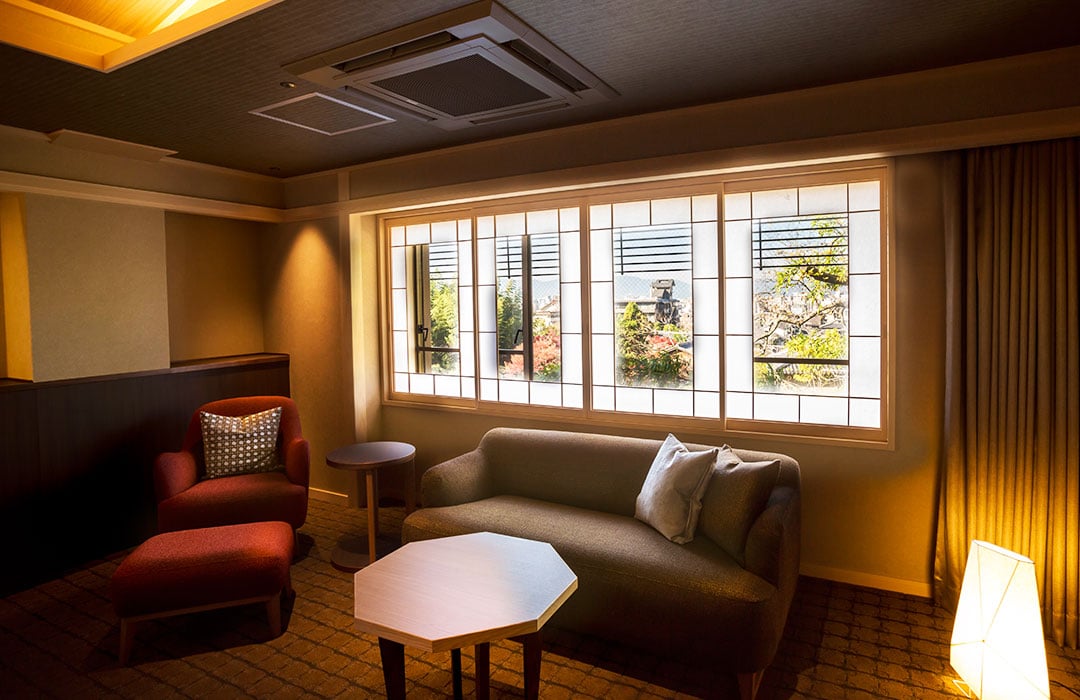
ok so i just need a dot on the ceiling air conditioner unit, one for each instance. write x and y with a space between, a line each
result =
473 65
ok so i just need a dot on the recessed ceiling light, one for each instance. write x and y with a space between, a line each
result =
287 84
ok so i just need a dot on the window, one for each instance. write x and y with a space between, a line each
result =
803 304
734 304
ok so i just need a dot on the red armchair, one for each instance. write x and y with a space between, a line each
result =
185 501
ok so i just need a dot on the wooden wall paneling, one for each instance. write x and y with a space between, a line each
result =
19 485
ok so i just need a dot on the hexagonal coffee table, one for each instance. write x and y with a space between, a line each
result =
446 593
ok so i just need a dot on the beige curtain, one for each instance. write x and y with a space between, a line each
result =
1012 436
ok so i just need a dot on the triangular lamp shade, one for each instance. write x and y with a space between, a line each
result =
997 640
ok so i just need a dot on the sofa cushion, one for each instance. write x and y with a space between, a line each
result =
240 444
733 499
670 498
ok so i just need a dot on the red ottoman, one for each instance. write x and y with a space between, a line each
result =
193 570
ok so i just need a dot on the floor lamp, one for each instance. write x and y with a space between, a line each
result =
997 640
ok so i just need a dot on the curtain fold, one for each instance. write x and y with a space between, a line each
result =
1011 472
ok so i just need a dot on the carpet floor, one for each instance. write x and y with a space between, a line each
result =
59 639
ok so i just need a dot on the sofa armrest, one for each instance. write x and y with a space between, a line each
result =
298 461
459 480
174 472
772 545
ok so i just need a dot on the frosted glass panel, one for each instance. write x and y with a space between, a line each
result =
706 307
486 299
416 234
827 199
465 264
775 203
864 231
604 398
397 268
739 363
776 407
397 235
399 310
543 221
571 358
864 195
739 405
572 395
865 304
401 383
827 410
706 404
401 351
602 308
545 393
865 367
464 229
488 355
468 356
447 385
570 303
707 362
737 249
705 250
468 388
866 413
630 214
444 232
673 403
422 383
600 257
570 256
704 207
603 356
739 306
489 389
570 219
485 227
736 206
671 211
465 310
485 261
513 392
600 216
633 399
510 225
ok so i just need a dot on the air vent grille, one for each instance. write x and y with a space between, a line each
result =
322 113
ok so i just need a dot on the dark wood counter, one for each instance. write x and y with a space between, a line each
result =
76 456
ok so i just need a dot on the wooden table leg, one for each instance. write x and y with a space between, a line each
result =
410 487
393 668
483 670
372 514
455 670
531 653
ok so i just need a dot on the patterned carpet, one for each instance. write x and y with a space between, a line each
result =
59 639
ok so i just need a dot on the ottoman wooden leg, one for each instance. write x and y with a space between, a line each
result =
127 638
273 614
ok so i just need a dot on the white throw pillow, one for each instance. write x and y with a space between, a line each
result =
670 498
240 444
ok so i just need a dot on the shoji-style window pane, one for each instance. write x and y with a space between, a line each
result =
802 270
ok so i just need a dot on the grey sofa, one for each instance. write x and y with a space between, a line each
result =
578 492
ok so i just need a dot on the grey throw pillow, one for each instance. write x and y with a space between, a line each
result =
734 498
240 444
670 498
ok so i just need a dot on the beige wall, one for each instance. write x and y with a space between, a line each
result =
306 315
98 297
215 295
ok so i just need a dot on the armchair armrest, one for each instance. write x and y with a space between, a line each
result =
174 472
298 461
458 480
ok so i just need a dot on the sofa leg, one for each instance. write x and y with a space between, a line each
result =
127 639
273 615
748 684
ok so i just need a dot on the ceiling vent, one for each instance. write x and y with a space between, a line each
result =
473 65
322 113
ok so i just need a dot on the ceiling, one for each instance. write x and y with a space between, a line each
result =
198 98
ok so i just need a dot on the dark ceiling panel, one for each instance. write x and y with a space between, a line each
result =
197 98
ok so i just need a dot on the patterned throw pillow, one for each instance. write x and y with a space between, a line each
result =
240 444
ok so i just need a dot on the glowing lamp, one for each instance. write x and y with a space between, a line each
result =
997 639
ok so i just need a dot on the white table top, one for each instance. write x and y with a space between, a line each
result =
453 592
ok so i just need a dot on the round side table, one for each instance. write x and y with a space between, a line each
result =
367 458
